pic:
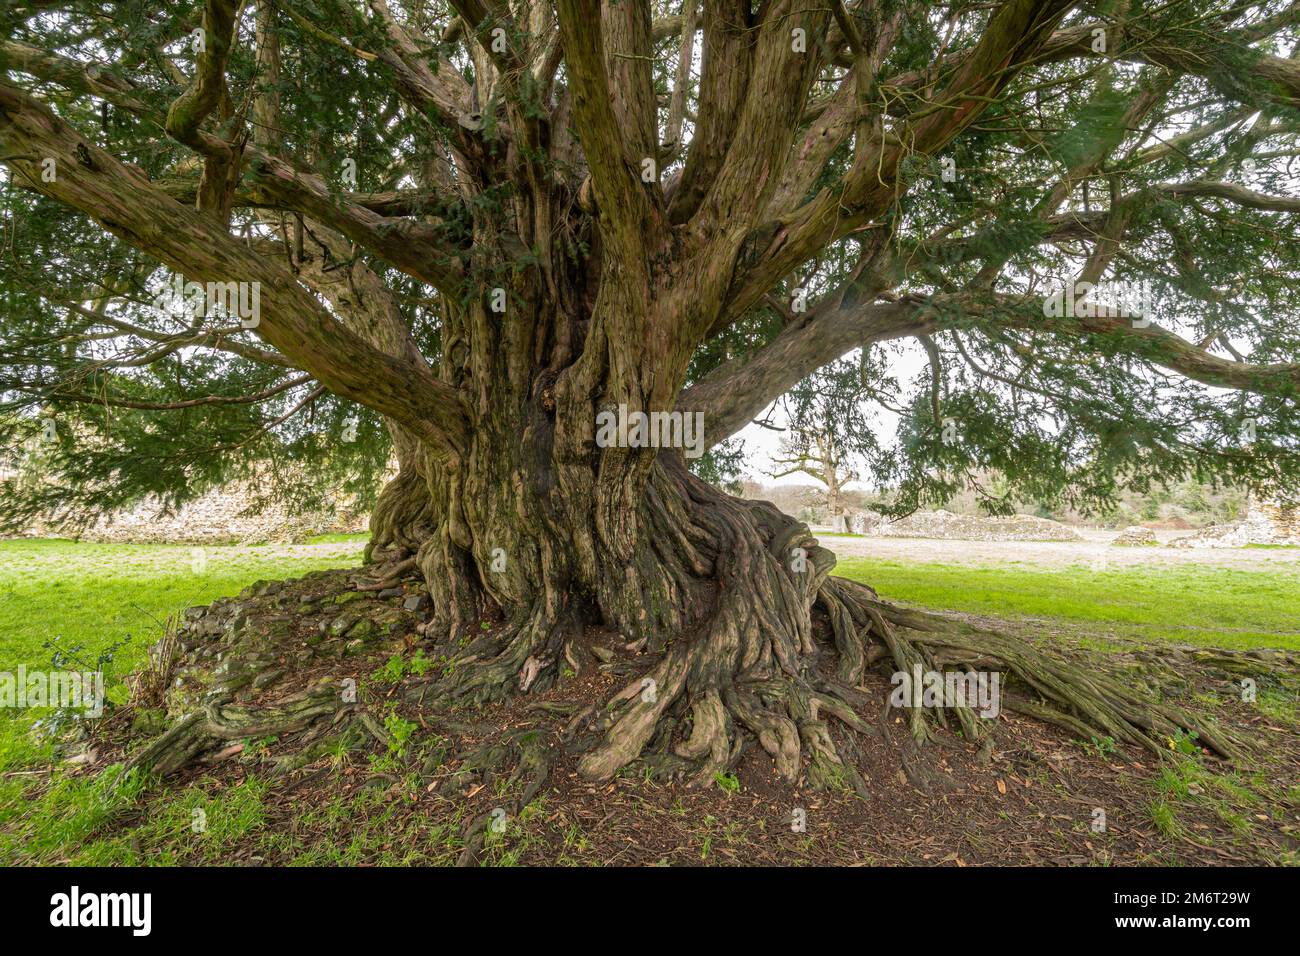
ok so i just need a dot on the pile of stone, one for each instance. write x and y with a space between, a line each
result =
1136 536
946 525
235 647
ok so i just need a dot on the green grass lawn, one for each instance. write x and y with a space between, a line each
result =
1222 607
96 595
99 594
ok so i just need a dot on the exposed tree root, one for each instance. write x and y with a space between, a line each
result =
520 657
1085 698
218 723
752 666
786 710
393 576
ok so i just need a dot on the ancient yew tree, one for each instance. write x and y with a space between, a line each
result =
464 230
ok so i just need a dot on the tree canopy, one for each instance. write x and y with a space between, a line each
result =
770 187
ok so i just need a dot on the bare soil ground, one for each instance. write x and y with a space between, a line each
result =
1033 800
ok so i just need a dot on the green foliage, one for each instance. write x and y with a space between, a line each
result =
392 672
1098 746
421 665
400 730
727 782
1184 742
1064 418
721 465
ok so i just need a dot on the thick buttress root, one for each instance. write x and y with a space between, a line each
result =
745 651
751 664
692 720
1086 698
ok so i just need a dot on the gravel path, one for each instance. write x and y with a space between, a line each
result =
1094 551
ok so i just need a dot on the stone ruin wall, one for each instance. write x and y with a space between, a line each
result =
1284 520
218 517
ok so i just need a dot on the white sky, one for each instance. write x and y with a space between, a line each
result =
905 363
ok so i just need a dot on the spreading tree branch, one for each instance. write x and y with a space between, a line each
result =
123 201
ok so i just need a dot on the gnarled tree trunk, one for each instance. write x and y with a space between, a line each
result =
733 600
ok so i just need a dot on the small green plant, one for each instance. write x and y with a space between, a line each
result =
69 657
1173 783
1098 746
1162 815
1184 742
336 751
392 671
421 665
727 782
399 731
